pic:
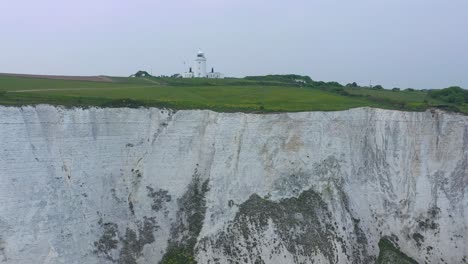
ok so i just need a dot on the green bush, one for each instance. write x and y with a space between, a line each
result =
334 84
452 94
353 84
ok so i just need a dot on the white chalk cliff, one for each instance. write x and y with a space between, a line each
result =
148 185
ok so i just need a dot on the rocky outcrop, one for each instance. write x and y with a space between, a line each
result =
150 185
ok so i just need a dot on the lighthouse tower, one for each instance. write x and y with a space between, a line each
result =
200 65
199 69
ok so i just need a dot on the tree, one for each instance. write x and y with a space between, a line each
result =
378 87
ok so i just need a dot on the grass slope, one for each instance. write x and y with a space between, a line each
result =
251 94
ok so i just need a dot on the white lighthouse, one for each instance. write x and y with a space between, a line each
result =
199 69
200 65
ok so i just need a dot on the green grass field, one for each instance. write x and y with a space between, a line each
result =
225 95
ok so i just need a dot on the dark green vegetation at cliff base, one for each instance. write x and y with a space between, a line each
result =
273 93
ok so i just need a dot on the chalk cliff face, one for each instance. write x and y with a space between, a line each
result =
149 185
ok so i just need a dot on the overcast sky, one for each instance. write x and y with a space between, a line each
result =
396 43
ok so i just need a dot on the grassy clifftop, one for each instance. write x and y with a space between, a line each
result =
273 93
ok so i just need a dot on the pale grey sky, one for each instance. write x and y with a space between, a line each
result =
396 43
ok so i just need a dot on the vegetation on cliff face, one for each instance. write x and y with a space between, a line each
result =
127 247
389 254
271 93
185 231
304 227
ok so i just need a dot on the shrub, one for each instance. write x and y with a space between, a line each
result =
452 94
334 84
353 84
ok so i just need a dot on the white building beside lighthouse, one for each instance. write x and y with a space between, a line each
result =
199 69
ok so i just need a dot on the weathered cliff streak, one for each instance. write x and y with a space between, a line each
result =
151 185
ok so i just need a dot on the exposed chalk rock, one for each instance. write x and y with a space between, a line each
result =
148 185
